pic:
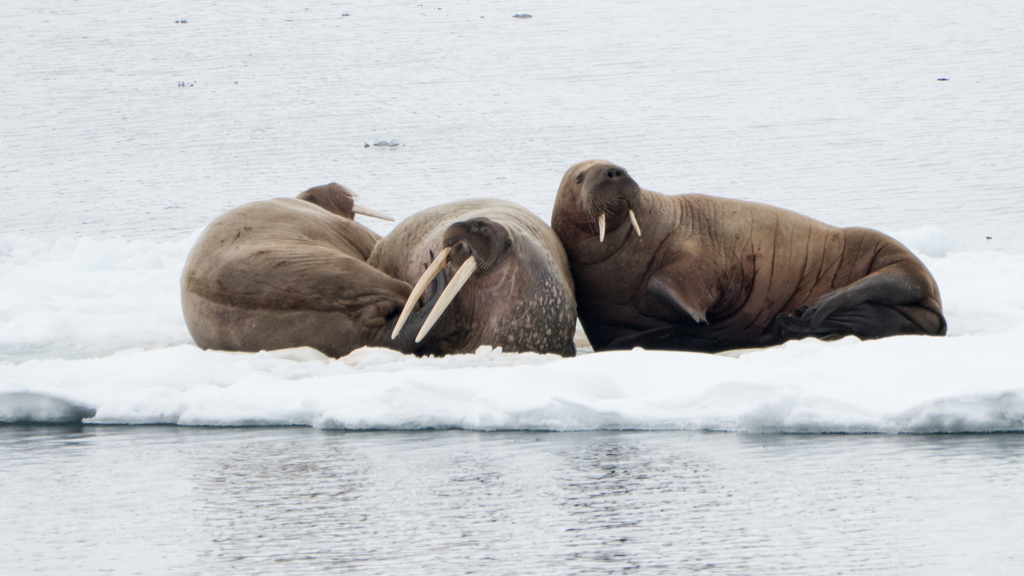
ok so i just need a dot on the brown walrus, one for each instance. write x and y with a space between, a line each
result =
695 272
336 198
513 287
288 272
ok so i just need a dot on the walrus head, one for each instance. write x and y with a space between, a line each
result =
600 195
479 238
476 247
340 200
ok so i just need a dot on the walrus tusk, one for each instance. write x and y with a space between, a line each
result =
460 279
600 226
357 209
632 218
419 288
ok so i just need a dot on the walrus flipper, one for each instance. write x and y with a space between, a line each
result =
887 302
670 294
890 285
866 321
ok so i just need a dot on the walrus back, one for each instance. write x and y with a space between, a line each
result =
285 273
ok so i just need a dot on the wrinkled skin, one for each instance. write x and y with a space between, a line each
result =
284 273
521 296
711 274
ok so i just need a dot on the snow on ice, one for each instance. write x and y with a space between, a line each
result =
96 325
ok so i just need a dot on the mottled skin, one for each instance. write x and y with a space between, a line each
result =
521 296
285 272
711 274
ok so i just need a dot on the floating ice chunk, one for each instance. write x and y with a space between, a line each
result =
31 407
992 413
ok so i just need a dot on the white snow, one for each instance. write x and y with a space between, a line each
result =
97 323
109 168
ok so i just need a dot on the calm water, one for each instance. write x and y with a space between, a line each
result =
171 500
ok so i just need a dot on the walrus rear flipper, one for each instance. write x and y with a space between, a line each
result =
891 301
866 321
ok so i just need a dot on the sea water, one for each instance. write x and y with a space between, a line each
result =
174 500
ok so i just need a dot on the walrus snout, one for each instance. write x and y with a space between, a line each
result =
612 190
608 190
615 173
481 238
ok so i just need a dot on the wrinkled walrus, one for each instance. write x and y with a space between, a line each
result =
292 272
512 287
699 273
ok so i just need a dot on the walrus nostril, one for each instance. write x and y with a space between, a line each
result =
462 250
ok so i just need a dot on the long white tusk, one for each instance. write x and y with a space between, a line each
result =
632 218
357 209
419 288
460 278
600 226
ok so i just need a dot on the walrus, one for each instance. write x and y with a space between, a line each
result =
700 273
292 272
510 283
340 200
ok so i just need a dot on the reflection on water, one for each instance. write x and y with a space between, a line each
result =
170 500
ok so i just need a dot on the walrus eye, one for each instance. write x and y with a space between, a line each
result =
508 243
579 179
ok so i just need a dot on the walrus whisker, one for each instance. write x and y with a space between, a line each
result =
600 226
458 281
419 288
632 218
357 209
